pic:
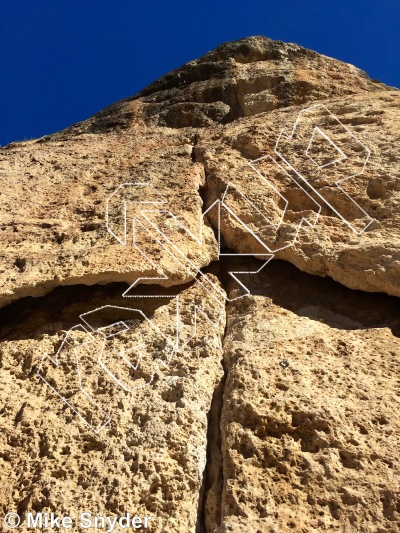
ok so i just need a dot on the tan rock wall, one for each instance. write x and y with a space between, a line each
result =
128 381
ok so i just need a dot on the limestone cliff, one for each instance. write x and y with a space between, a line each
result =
138 373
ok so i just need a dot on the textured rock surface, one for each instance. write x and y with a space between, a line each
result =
314 446
149 460
247 77
370 261
53 207
53 201
225 438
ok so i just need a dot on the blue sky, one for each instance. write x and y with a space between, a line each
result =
63 60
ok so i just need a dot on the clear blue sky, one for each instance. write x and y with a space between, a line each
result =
63 60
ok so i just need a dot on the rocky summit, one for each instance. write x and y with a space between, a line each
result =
200 314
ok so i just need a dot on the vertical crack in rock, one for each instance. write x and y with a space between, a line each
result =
275 433
210 500
210 495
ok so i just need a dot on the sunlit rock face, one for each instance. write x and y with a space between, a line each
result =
138 374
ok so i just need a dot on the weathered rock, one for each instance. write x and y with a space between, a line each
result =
53 201
150 458
311 446
369 260
53 209
247 77
306 445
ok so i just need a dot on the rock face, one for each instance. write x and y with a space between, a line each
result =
137 376
364 256
150 457
309 446
61 237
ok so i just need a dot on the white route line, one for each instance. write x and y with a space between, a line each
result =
290 136
167 244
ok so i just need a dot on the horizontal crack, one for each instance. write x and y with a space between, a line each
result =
60 309
318 298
